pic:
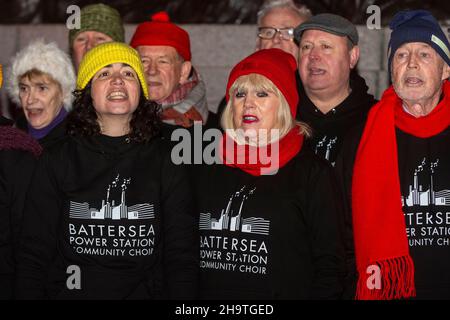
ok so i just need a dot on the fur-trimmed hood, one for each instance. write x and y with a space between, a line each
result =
47 58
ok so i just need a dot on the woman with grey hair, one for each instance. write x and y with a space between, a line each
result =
41 81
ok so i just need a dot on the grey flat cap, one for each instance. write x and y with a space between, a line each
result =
329 23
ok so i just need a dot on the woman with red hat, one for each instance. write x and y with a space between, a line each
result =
269 225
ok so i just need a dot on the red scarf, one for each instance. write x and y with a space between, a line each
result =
182 119
261 160
378 220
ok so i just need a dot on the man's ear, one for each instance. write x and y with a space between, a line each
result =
186 67
446 71
354 56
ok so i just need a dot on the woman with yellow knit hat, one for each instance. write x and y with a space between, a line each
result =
108 215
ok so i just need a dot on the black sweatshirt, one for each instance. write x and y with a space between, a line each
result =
270 237
330 129
424 171
16 169
121 212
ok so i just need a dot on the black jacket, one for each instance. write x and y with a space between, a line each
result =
330 129
16 168
121 212
270 237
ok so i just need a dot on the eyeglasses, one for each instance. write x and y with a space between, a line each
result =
269 33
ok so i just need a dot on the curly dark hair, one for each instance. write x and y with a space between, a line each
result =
82 120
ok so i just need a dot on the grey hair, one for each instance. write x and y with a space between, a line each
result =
47 58
302 10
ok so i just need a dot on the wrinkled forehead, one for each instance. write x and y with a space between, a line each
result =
35 76
416 46
158 51
92 34
412 47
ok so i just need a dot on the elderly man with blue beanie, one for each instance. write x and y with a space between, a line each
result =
400 182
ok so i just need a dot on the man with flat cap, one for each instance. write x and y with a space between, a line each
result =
399 182
333 98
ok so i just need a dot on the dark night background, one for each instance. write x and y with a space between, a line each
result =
207 11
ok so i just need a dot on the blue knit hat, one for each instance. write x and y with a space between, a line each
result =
417 26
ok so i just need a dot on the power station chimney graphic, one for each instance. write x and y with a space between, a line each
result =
433 165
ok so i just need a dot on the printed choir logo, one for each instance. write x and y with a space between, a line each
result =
325 146
109 209
229 221
419 197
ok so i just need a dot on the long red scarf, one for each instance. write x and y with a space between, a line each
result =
378 221
261 160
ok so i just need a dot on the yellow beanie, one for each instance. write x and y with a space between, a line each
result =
108 53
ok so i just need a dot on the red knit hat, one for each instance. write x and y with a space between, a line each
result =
276 65
161 32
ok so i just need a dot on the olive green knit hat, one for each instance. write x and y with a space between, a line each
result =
101 18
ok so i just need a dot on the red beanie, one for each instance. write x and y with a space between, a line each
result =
161 32
276 65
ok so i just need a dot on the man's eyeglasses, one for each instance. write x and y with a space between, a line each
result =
269 33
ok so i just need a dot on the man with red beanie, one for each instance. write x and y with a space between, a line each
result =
399 182
165 52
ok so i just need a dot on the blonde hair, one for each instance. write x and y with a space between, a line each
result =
285 121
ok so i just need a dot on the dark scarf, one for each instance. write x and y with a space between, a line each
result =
15 139
260 160
41 133
378 221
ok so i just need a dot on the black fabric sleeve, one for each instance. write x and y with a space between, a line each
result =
37 245
325 235
180 232
16 169
344 172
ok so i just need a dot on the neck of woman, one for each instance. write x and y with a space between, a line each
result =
114 126
255 138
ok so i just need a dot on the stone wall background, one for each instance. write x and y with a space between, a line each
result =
215 50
